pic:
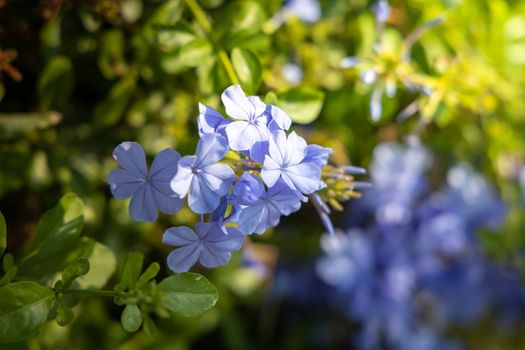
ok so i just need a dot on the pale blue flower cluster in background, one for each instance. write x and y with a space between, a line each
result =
412 264
268 174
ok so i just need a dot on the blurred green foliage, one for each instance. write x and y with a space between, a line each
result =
77 78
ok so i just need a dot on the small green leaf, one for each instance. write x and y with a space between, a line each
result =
8 261
189 294
3 235
131 270
148 326
149 274
131 318
248 69
111 54
8 276
102 264
57 232
301 104
55 84
77 268
23 310
131 9
64 315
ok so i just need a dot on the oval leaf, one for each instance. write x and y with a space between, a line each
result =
23 310
301 104
248 69
131 318
189 294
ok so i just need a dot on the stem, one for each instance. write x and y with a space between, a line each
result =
205 25
98 292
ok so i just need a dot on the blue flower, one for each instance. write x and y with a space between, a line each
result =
308 11
286 160
249 130
207 244
318 155
261 209
201 176
277 119
150 191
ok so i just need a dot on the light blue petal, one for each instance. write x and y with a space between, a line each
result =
183 258
218 177
249 189
123 183
253 218
295 149
164 166
210 149
278 120
271 171
259 107
305 177
201 198
130 156
236 103
243 135
209 120
180 184
179 236
283 198
317 154
277 146
143 206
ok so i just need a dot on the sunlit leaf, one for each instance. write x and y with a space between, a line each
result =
303 105
189 294
248 69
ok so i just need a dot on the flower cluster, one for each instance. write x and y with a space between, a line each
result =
246 173
411 263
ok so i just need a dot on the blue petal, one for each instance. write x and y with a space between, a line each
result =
259 151
248 189
210 149
143 206
271 171
164 166
295 149
183 258
218 246
201 198
130 156
166 200
123 183
178 236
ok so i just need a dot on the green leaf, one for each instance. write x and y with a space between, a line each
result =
8 262
301 104
131 270
169 12
55 83
3 235
23 310
64 315
10 273
57 232
149 274
189 55
102 262
189 294
248 69
77 268
112 108
131 318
